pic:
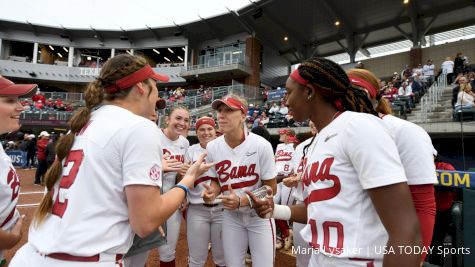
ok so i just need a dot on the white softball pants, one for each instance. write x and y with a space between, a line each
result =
167 251
203 225
27 256
243 229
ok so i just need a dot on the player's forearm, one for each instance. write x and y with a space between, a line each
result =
299 213
8 239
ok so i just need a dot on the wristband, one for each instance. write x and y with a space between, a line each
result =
249 200
183 187
281 212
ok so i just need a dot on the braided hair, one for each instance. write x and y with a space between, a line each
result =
113 70
331 81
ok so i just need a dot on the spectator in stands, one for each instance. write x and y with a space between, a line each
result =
429 72
283 109
396 79
448 69
39 105
253 118
41 156
459 63
274 109
359 65
38 96
465 98
263 120
10 146
289 119
250 110
265 94
455 91
471 79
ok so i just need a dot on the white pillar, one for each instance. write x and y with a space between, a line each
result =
35 53
186 57
71 56
112 52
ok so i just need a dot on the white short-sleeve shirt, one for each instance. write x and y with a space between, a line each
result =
192 154
89 216
284 158
242 167
172 149
415 150
350 155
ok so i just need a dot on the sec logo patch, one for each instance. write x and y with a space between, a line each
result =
155 172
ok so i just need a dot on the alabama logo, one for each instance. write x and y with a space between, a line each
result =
155 172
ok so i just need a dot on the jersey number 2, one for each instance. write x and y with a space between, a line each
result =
71 166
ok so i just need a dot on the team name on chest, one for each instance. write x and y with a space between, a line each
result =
168 155
330 184
226 172
283 155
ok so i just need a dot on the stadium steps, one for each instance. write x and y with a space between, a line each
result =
442 111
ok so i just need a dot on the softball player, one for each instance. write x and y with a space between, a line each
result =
285 167
10 109
356 195
174 147
105 185
203 220
295 182
415 149
244 161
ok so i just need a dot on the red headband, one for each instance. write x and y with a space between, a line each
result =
295 75
232 103
204 120
134 78
364 84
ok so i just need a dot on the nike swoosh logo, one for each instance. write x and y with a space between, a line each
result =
248 154
330 136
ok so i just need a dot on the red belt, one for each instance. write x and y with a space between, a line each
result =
68 257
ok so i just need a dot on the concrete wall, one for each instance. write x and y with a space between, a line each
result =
385 66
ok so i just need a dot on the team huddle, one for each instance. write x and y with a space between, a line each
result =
363 180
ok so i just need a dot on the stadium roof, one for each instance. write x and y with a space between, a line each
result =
309 25
114 14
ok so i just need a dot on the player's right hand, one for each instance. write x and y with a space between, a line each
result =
209 194
264 206
292 181
198 168
171 165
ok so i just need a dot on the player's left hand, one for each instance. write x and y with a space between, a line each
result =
292 181
262 206
230 201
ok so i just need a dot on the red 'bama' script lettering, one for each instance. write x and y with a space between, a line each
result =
321 173
236 172
282 155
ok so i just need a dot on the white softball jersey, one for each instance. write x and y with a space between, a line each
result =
244 166
350 155
9 189
415 149
172 149
284 158
192 154
297 193
115 149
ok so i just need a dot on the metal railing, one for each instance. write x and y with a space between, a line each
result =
46 115
250 93
215 63
430 100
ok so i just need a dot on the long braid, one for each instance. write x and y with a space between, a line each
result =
333 84
114 69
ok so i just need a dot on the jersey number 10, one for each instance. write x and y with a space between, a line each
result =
75 158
